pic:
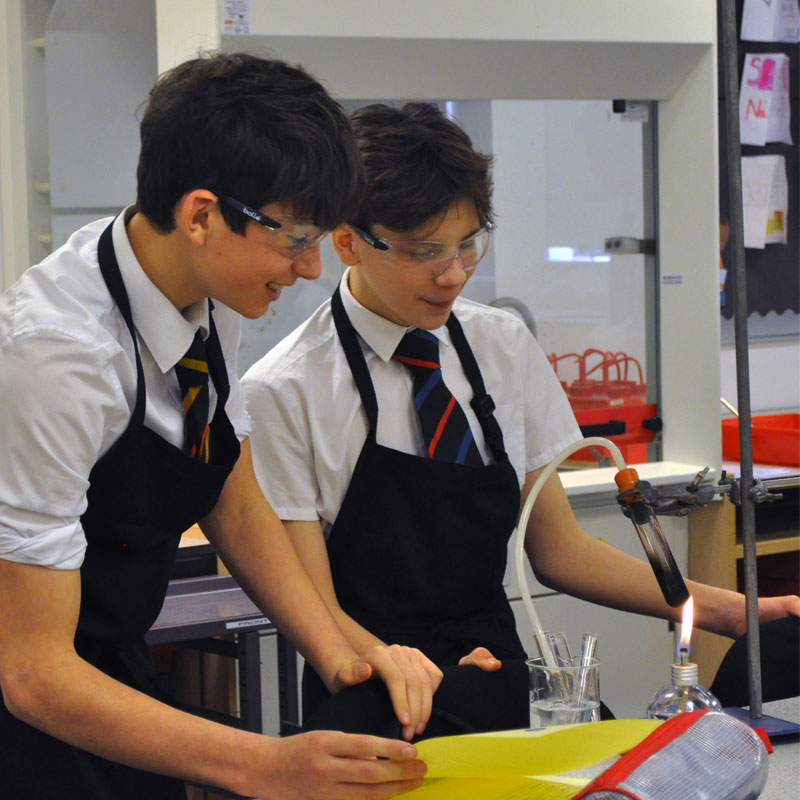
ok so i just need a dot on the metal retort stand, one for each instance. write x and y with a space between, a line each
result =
734 166
743 491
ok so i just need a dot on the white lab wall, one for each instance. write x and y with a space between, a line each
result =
24 167
13 174
100 65
184 28
774 376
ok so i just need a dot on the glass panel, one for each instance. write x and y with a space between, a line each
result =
568 175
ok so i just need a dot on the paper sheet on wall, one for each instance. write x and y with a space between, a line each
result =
770 21
765 200
764 108
236 18
523 765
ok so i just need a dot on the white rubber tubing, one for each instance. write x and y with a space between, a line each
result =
522 524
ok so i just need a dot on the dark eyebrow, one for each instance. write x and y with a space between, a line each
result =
436 241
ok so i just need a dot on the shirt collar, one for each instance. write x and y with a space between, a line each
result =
381 334
165 331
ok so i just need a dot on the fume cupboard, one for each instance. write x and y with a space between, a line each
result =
526 74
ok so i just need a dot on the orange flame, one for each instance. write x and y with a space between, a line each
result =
686 626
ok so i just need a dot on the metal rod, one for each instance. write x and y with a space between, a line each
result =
787 482
734 165
729 406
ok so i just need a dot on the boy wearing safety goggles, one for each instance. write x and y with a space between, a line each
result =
398 429
123 424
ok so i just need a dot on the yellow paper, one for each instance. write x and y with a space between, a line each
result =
549 751
497 789
521 764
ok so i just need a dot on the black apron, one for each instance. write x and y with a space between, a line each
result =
418 549
144 492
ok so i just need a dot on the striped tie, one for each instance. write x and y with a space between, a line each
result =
444 424
192 372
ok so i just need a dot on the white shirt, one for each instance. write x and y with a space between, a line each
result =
68 386
309 424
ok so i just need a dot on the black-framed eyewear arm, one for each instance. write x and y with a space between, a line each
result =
371 240
256 216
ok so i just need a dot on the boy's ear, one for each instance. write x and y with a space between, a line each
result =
343 239
195 214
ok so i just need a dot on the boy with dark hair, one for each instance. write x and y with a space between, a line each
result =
398 478
272 136
123 424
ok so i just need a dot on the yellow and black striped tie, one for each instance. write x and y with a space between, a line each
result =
192 372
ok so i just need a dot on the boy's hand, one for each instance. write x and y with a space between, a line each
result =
772 608
481 657
328 765
410 676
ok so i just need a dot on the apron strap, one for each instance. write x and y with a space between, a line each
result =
109 269
482 403
356 360
216 362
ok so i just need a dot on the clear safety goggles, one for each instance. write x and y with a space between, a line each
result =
290 236
435 256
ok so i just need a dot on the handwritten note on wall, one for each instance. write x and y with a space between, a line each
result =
765 200
764 109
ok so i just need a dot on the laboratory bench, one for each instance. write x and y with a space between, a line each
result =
213 613
783 780
233 666
635 651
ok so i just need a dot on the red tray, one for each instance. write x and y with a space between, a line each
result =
776 439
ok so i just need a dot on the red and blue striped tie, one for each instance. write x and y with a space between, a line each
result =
192 372
444 424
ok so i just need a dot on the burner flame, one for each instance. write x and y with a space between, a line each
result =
685 645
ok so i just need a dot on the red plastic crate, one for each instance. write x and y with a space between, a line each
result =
776 439
632 444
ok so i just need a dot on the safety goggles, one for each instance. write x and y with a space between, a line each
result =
290 236
436 256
